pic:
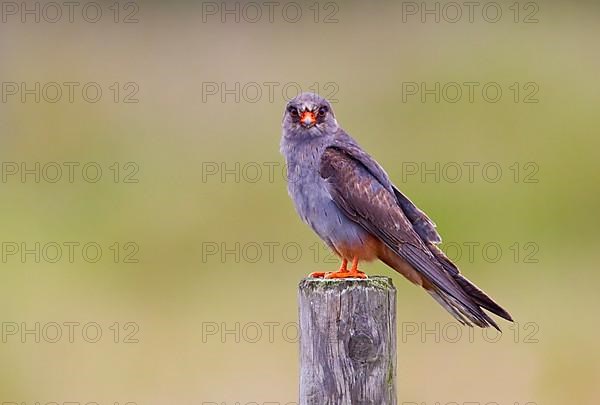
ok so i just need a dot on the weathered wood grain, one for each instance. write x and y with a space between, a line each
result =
347 341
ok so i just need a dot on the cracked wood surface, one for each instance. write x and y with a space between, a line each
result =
347 341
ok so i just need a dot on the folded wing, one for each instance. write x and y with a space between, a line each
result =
368 198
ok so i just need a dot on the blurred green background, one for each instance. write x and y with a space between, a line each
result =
183 215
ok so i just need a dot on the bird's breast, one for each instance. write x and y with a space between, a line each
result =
316 207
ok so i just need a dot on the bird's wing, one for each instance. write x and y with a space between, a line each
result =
424 226
364 199
421 223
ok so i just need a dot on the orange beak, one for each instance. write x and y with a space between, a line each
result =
308 119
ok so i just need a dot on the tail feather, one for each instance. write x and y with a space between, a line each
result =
481 298
448 307
477 295
461 313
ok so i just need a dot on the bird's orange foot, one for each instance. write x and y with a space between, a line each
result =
343 272
323 274
346 274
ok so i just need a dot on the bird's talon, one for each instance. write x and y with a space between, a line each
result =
317 274
346 274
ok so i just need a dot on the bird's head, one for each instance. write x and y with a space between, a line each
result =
309 115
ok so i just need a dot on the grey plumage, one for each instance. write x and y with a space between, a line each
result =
350 202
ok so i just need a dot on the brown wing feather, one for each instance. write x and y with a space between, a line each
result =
421 223
419 220
369 203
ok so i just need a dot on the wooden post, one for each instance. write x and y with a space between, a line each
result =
347 341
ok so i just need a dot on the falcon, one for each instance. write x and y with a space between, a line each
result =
347 198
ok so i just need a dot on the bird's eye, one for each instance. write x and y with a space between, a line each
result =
323 110
293 111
